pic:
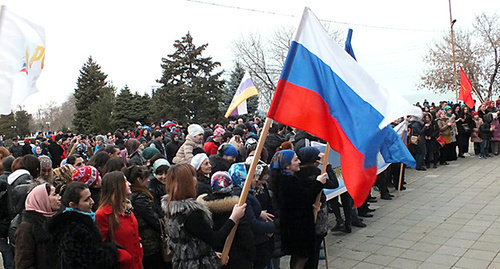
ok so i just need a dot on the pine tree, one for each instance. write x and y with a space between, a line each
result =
191 90
101 111
232 85
89 90
122 111
22 120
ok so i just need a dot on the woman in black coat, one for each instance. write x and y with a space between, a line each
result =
295 199
147 218
310 159
221 202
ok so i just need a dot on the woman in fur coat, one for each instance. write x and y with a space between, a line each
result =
190 223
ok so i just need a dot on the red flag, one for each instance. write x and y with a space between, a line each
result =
465 90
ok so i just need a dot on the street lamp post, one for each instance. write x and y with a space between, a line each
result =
452 22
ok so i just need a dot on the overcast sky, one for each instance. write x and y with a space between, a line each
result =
129 38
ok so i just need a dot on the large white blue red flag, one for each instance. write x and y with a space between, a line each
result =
324 91
22 56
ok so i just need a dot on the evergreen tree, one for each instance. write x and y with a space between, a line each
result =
101 111
142 108
191 90
89 90
232 85
22 120
8 126
123 115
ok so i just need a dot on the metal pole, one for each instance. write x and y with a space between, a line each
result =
452 22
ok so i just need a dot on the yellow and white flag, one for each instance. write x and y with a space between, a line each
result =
246 90
22 54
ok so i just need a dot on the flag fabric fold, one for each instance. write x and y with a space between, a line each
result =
245 90
323 90
465 94
22 56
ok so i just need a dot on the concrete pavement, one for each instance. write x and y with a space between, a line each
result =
447 217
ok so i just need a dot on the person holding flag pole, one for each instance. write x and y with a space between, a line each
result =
323 90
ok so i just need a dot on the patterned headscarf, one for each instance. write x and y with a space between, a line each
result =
281 160
45 161
221 182
87 174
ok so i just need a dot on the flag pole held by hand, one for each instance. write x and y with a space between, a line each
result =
317 204
246 187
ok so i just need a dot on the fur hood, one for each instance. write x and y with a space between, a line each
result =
217 203
185 207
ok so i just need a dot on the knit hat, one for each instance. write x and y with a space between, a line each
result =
219 132
238 131
474 113
87 174
195 129
158 163
228 150
308 155
149 152
198 159
221 182
45 161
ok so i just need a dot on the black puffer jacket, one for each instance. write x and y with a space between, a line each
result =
80 243
148 220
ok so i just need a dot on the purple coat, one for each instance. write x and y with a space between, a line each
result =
496 132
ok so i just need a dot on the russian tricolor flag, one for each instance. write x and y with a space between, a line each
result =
324 91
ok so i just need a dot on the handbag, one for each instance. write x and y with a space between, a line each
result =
441 141
166 252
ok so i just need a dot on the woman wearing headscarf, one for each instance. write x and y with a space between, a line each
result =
203 170
157 183
190 223
295 199
34 247
310 158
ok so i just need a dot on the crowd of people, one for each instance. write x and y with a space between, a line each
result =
165 196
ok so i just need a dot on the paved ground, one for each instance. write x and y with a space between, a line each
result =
447 218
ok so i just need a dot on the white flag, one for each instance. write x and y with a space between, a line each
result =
22 54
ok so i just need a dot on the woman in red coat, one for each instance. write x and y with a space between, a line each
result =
117 222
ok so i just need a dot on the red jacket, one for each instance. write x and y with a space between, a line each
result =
210 148
127 236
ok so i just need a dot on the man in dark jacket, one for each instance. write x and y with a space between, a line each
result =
274 139
5 247
16 150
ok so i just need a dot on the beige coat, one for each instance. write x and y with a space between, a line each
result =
185 153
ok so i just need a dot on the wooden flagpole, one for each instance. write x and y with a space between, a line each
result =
400 178
246 186
317 204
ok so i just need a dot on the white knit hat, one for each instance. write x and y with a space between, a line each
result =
195 129
198 159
